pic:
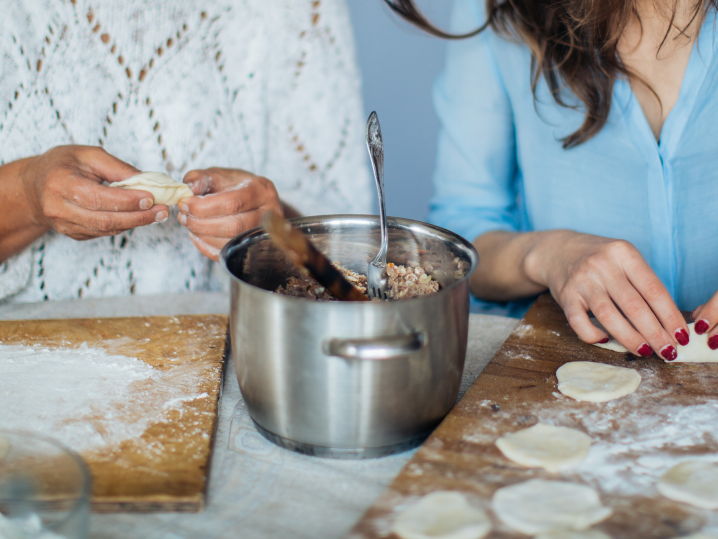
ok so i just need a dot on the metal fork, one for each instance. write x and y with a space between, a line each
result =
377 281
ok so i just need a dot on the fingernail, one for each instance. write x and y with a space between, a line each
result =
645 350
682 336
146 203
603 341
669 353
161 216
184 208
701 326
713 342
182 218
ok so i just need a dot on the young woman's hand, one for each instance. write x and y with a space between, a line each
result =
64 190
611 279
706 319
229 202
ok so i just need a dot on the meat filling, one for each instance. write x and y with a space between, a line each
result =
404 282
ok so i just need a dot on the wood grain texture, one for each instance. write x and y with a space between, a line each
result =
635 438
166 468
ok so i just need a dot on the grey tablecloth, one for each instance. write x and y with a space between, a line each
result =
256 489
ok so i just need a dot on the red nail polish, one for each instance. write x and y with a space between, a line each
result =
701 327
603 341
713 342
645 350
682 337
669 353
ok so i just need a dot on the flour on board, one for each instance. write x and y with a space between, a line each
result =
84 397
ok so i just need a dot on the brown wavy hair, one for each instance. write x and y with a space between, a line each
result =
573 45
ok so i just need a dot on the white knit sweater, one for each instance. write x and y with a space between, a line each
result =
269 86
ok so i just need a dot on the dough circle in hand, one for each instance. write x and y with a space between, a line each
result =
569 534
596 382
442 515
612 345
538 506
694 482
163 188
696 351
546 446
4 447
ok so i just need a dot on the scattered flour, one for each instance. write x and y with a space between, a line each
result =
631 451
86 398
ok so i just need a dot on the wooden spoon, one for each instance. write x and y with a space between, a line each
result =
304 254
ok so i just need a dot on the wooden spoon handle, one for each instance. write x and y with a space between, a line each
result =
304 254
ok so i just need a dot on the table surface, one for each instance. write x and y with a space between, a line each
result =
256 489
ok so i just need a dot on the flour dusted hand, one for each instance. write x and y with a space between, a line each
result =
228 202
63 190
163 188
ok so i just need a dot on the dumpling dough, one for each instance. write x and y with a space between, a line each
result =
696 351
538 506
546 446
612 345
442 515
694 482
699 535
586 534
4 447
163 188
596 382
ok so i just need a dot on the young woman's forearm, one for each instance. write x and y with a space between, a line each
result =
509 263
18 224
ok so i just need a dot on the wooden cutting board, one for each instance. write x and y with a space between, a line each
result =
672 416
165 468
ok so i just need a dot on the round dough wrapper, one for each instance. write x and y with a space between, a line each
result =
693 482
546 446
163 188
569 534
442 515
538 506
4 447
596 382
612 345
696 351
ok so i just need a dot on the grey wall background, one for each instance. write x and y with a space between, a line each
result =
399 65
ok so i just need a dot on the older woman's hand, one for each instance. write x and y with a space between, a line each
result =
64 191
229 202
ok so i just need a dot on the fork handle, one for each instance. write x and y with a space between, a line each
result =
375 145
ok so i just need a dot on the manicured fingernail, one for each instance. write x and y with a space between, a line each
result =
669 353
713 342
161 216
681 336
603 341
146 203
701 326
645 350
182 218
184 208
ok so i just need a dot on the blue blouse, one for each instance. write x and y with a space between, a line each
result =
500 163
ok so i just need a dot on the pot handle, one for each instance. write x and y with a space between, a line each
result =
376 348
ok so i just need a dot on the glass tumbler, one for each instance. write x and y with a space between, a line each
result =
44 489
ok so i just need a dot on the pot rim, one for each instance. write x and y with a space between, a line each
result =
321 219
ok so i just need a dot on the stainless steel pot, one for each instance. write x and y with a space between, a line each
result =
349 379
